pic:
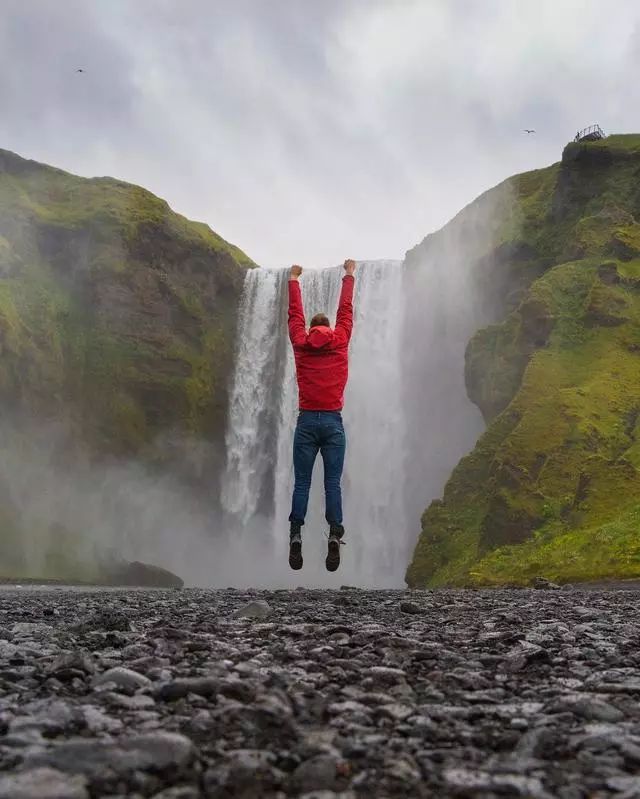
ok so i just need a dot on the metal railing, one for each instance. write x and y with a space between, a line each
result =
591 133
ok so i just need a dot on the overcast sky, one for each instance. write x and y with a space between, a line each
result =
314 130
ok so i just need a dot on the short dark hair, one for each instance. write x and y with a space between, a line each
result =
319 320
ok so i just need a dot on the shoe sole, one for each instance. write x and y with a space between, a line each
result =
295 556
333 556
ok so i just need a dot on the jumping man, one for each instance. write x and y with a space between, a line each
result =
322 368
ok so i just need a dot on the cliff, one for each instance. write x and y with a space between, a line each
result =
116 326
551 488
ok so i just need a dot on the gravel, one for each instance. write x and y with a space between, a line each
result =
192 694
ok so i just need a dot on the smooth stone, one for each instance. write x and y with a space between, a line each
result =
30 628
258 609
467 782
541 583
411 608
178 792
71 664
596 710
317 773
43 783
137 702
158 750
181 687
123 678
396 711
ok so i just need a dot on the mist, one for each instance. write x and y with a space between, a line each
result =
303 133
214 510
407 416
263 413
453 288
73 516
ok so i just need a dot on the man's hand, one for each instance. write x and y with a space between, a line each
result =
349 266
296 271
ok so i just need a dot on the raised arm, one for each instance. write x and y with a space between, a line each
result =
297 324
344 317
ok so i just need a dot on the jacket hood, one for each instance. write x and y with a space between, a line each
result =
319 337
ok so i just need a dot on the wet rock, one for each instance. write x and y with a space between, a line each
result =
156 751
523 655
488 694
71 665
177 689
43 783
105 620
467 782
402 770
179 792
410 607
259 609
137 702
317 773
28 629
396 711
244 772
627 786
541 583
123 678
595 709
95 720
141 574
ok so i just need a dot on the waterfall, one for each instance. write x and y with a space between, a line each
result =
257 484
256 360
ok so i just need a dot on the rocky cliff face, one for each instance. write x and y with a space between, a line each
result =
116 324
551 487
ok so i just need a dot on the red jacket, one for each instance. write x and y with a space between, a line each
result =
322 354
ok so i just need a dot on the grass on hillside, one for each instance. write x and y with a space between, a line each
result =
551 487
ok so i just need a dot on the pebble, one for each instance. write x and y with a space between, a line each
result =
345 694
43 783
254 610
123 678
317 773
410 607
127 754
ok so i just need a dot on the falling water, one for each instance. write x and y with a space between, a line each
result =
256 488
256 365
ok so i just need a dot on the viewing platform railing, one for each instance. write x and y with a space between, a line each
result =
592 133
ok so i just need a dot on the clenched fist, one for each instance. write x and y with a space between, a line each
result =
296 271
349 266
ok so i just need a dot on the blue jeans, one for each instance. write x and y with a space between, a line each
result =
318 430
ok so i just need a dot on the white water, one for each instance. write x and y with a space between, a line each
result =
247 457
256 488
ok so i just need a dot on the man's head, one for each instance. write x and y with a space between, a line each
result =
319 320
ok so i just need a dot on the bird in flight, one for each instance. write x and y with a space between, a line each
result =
526 130
79 70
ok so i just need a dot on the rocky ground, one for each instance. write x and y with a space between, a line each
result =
186 694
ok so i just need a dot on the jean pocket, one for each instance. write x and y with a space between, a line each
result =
335 433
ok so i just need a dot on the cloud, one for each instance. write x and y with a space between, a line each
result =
309 132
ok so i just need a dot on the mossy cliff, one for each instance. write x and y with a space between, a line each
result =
552 487
116 319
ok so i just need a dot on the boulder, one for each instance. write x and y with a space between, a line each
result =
141 574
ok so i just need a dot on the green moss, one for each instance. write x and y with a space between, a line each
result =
551 487
116 318
494 365
607 551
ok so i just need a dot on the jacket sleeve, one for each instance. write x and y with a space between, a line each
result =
344 317
297 324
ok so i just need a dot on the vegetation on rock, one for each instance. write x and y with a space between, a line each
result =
116 321
551 489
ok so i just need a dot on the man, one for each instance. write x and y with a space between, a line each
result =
322 368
